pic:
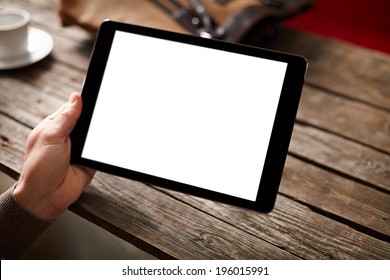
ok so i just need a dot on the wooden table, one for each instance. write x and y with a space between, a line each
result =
334 199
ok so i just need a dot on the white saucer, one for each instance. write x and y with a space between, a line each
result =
40 44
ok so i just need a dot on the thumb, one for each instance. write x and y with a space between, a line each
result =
64 119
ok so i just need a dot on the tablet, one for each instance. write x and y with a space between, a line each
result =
201 116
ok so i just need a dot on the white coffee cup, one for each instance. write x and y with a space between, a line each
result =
13 32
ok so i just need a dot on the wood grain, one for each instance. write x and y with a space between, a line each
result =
176 229
13 137
297 229
353 120
291 226
26 103
360 205
349 158
340 67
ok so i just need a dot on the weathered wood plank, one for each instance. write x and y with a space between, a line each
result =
362 205
340 67
316 187
359 206
178 230
354 120
24 102
140 214
291 226
57 78
297 229
344 156
13 138
74 53
24 99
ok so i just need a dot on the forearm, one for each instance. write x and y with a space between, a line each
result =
18 228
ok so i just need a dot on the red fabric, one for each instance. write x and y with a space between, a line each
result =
366 23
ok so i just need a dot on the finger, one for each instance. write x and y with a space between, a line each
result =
65 118
89 174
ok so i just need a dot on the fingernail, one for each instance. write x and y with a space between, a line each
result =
72 98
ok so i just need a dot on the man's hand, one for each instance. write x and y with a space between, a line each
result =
48 184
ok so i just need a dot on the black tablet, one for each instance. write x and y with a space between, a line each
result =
196 115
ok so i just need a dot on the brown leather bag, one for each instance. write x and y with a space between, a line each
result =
243 21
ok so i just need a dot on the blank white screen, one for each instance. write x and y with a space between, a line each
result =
194 115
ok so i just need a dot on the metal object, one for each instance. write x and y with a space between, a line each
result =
196 19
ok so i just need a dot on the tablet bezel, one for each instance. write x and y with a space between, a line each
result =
280 135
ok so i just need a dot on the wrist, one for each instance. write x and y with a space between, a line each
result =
34 202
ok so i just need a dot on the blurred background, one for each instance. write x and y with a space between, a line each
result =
365 23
